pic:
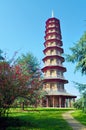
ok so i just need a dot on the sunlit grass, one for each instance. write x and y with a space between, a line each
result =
37 119
80 116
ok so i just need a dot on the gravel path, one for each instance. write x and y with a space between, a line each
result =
73 122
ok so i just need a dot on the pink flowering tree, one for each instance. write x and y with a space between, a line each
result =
16 82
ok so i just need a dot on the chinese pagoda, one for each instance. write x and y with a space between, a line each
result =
54 80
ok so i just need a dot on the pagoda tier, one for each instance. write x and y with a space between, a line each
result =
54 48
54 80
52 28
52 35
56 67
51 42
50 57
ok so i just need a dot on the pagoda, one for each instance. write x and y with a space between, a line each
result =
54 80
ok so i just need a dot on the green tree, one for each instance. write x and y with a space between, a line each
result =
1 57
78 54
31 64
78 103
78 57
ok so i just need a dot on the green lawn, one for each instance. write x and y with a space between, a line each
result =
80 116
37 119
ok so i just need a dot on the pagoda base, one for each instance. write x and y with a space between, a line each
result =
59 100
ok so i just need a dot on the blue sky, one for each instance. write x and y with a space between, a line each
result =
22 27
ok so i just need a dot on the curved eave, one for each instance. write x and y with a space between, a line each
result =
50 28
53 33
54 67
62 95
53 56
57 35
55 80
53 40
51 19
53 47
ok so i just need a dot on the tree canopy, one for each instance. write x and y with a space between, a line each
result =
1 57
30 64
19 78
78 54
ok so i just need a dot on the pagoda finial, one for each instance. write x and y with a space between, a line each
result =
52 13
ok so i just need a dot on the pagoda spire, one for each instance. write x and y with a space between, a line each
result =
52 13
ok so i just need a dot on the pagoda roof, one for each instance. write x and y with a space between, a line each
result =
54 67
55 79
53 47
53 33
60 93
54 40
51 19
53 56
50 28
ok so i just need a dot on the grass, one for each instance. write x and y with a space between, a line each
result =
37 119
80 116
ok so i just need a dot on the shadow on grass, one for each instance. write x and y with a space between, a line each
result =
43 119
12 122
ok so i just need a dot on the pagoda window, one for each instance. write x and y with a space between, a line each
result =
51 86
56 44
51 52
51 73
51 43
51 61
54 30
58 61
59 73
50 21
60 87
57 52
51 36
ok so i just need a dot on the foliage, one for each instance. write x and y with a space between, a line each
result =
1 57
81 103
13 84
31 64
20 102
16 82
81 88
78 55
78 104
